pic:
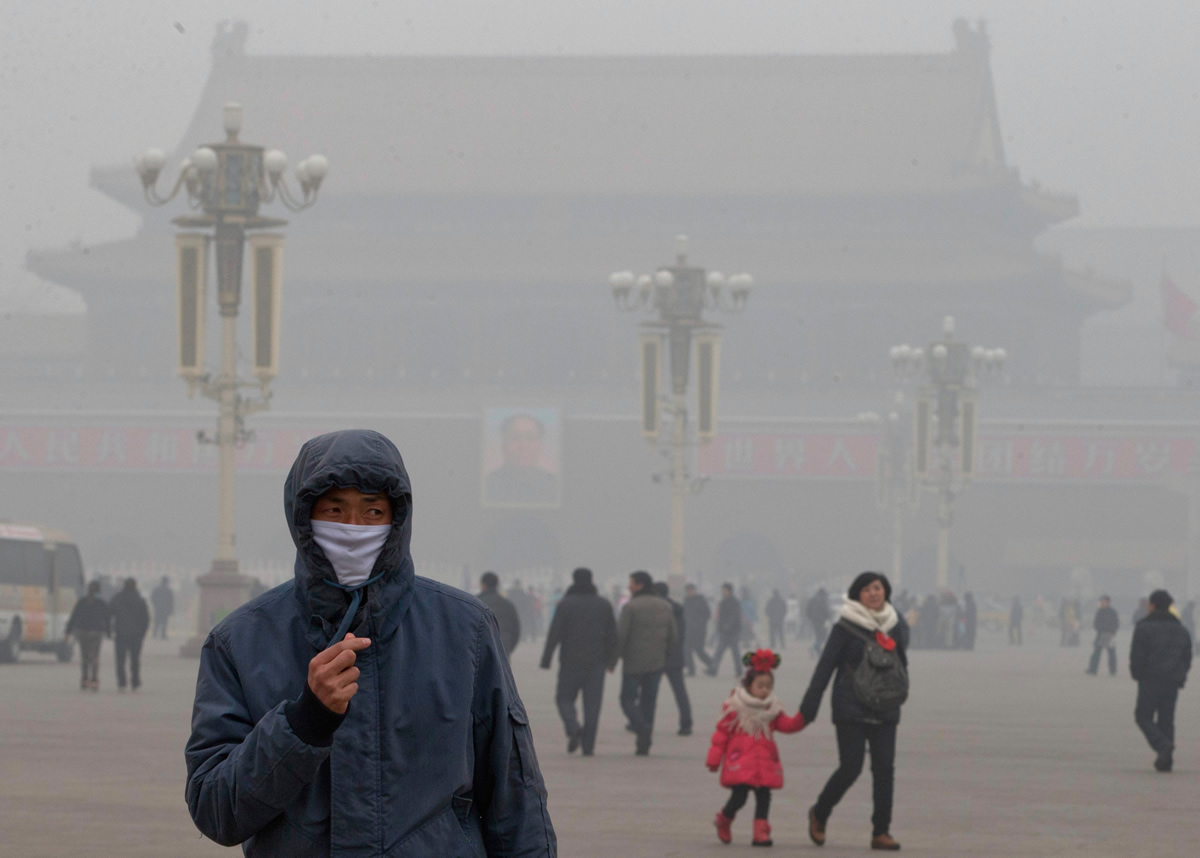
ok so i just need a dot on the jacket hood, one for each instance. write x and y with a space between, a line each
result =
365 460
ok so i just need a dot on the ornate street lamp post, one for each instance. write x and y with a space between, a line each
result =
226 182
680 294
897 490
944 418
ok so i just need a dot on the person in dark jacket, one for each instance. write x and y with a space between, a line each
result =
1016 615
90 622
1159 659
776 611
696 614
523 602
1106 624
729 631
817 614
162 599
867 611
130 621
674 669
506 613
970 613
359 709
585 629
646 635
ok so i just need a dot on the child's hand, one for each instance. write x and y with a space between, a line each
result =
713 768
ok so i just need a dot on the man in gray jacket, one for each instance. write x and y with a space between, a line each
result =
646 635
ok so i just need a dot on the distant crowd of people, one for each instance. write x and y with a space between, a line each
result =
123 617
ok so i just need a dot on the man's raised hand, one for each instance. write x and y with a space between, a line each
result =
332 675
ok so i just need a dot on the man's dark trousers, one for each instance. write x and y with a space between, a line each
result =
639 697
679 689
588 681
1104 642
723 644
1155 714
131 647
160 625
692 650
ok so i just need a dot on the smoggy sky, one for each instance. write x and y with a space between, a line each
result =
1097 97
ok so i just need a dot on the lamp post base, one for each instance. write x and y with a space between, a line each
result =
222 590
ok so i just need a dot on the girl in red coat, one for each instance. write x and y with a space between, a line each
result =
745 740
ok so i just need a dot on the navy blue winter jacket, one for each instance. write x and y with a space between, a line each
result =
434 755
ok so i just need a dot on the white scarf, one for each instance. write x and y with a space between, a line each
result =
873 621
352 549
753 716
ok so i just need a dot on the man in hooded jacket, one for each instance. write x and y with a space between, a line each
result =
359 710
585 628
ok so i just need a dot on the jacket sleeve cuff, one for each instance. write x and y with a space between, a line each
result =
311 721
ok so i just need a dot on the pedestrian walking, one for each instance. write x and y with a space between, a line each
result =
1106 624
970 616
674 667
523 602
749 618
646 634
359 709
1160 656
729 630
1016 615
507 618
743 746
696 614
162 598
817 613
776 611
866 700
585 633
91 623
130 621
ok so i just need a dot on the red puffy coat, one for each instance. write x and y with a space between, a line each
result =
750 760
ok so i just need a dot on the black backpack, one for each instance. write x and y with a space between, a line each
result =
880 680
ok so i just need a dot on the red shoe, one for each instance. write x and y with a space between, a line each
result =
762 833
723 822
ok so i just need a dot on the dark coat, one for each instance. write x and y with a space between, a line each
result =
1161 651
843 651
696 614
506 616
585 629
729 618
433 756
646 633
163 600
1107 621
776 610
91 614
130 617
675 656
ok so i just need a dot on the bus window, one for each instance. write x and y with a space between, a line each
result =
23 563
68 568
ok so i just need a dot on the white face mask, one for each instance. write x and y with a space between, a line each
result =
352 549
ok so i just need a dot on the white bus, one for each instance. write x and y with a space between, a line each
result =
41 576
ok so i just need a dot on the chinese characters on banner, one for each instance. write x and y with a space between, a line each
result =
797 455
1061 458
138 448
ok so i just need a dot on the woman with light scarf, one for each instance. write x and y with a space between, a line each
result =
867 615
745 741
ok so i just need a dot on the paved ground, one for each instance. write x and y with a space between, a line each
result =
1001 753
